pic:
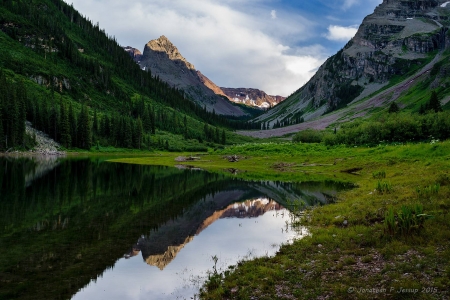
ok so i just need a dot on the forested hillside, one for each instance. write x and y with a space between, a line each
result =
76 83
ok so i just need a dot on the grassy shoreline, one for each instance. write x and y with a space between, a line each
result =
359 260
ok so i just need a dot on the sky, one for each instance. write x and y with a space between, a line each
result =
272 45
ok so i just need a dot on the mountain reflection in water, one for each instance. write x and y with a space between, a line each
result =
67 223
157 253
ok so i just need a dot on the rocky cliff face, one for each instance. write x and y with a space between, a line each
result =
211 85
252 97
134 53
164 60
395 38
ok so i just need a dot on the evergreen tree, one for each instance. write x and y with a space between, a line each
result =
393 108
12 118
422 109
434 103
45 116
139 133
64 127
2 135
22 114
95 124
153 120
185 128
224 137
84 129
217 136
73 126
53 121
128 134
146 120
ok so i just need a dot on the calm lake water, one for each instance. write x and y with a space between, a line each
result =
86 228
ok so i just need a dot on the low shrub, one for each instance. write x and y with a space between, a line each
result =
393 128
308 136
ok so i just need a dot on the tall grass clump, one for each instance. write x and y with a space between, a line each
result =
383 187
409 220
379 175
214 278
428 191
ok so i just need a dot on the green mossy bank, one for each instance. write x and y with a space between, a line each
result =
350 253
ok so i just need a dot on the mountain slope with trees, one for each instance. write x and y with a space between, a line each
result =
392 44
77 84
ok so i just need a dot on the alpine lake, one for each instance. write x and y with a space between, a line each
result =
86 228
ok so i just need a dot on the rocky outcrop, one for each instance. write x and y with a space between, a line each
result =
252 97
59 83
395 38
44 144
164 60
135 54
165 48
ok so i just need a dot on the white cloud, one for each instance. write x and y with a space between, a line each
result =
341 33
349 3
273 14
230 41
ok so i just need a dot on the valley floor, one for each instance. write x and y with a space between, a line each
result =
351 252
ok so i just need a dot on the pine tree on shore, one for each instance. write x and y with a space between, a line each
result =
139 133
73 126
66 139
2 135
84 129
21 104
95 124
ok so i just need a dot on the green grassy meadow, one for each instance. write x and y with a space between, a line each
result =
387 238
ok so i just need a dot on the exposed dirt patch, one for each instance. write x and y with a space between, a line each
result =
281 166
184 158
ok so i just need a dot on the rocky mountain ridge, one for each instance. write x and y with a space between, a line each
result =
397 38
165 61
134 53
252 97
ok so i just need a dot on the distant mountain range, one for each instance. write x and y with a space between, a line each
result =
163 59
252 97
